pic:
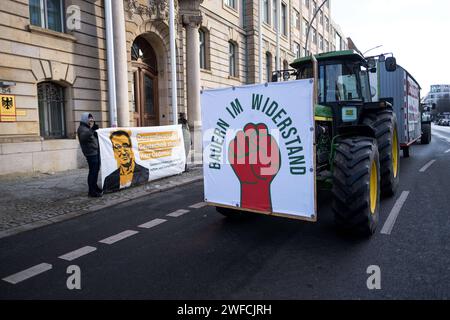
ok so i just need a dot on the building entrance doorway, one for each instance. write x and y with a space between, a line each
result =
145 78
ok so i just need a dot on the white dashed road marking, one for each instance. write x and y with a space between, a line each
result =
119 236
425 167
177 213
198 205
441 136
28 273
152 223
389 224
77 253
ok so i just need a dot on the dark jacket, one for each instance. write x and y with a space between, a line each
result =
112 182
88 137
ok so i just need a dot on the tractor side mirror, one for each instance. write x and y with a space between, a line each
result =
391 64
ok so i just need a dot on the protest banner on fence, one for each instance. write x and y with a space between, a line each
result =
131 156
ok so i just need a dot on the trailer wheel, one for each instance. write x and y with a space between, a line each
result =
406 152
356 185
384 123
426 134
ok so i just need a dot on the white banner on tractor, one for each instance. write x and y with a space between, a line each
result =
131 156
258 148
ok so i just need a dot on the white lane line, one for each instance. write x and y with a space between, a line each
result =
77 253
389 224
119 236
152 223
177 213
448 151
198 205
441 136
425 167
28 273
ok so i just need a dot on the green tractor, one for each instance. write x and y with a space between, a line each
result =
357 142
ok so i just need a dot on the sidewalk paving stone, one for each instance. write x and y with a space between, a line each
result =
29 202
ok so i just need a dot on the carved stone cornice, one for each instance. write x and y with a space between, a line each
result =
192 20
154 10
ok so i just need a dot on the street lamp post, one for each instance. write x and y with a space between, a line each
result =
310 24
364 54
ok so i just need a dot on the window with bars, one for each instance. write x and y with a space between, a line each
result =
52 120
48 14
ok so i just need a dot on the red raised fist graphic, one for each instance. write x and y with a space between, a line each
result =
255 158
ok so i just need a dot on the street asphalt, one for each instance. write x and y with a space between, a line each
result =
188 252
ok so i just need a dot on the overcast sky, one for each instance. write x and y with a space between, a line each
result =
416 31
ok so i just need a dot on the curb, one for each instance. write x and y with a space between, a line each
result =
72 215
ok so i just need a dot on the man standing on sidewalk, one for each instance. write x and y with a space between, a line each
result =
88 138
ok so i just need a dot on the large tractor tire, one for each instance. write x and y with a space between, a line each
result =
356 185
384 123
426 134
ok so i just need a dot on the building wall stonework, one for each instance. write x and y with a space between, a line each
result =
76 61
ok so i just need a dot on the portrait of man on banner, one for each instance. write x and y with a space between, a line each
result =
128 173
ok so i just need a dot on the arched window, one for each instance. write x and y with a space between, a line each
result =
52 120
141 51
268 66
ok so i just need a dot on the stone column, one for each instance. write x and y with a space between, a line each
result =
192 23
121 64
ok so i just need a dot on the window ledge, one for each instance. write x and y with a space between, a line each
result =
206 71
232 10
234 78
48 32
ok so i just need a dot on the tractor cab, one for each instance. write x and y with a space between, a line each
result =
343 88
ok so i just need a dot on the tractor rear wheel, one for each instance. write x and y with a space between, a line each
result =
356 185
384 123
426 134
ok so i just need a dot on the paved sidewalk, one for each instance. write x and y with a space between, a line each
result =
32 201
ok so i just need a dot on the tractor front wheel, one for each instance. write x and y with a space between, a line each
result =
356 185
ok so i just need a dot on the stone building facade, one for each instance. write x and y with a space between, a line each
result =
53 61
